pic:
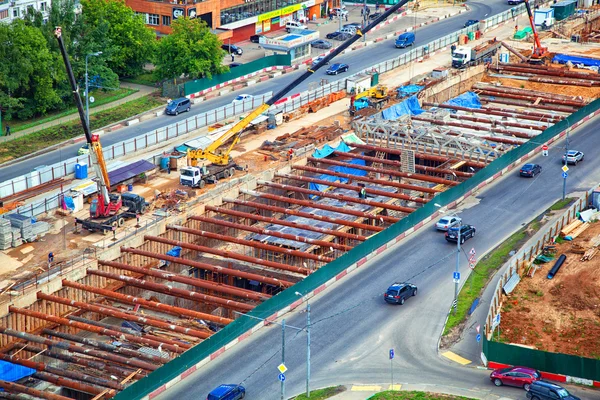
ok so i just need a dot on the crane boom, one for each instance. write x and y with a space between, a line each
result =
92 140
538 50
211 154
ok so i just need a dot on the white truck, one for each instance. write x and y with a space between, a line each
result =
465 56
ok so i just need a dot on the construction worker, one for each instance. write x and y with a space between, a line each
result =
363 193
290 154
50 258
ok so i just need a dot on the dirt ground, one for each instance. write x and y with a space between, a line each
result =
561 314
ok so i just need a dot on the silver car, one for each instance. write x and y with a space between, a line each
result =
448 222
573 157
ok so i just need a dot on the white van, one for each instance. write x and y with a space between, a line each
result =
294 25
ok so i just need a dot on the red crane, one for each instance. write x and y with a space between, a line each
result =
539 52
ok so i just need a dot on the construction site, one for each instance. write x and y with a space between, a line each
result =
117 303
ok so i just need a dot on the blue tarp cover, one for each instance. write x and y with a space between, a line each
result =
564 58
69 203
469 99
174 252
13 372
327 150
408 89
338 168
409 106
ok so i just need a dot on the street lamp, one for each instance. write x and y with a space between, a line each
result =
87 89
456 271
565 164
307 346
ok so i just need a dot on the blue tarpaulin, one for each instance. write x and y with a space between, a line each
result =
409 106
69 203
338 168
327 150
469 99
564 58
408 89
13 372
174 252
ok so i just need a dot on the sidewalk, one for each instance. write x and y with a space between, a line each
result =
364 392
142 90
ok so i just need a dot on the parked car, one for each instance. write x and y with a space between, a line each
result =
530 170
332 35
290 25
471 22
466 232
83 150
542 390
242 98
227 392
339 11
232 49
317 60
515 2
178 105
343 36
375 15
573 157
404 40
515 376
337 68
255 38
355 25
321 44
446 223
397 293
350 30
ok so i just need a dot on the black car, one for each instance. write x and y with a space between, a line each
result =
333 35
542 390
530 170
232 49
355 25
374 15
397 293
255 38
466 232
337 68
471 22
321 44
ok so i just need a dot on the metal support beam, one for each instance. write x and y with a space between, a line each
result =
229 254
494 122
501 112
199 265
283 222
141 320
12 387
492 98
289 211
535 96
78 349
68 383
474 127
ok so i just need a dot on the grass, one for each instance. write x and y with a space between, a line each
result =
148 79
413 395
559 205
321 394
100 97
47 137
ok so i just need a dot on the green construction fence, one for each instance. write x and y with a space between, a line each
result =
267 309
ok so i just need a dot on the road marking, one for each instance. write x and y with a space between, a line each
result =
456 358
395 387
366 388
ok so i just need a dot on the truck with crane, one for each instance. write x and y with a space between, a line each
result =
107 211
375 97
539 54
465 56
209 164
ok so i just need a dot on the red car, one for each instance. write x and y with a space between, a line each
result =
515 376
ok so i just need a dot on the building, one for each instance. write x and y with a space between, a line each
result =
10 10
234 20
296 44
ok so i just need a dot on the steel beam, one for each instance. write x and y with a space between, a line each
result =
263 231
495 122
399 164
199 265
550 72
501 112
283 222
78 349
12 387
230 254
532 95
421 177
365 178
69 383
497 93
289 211
474 127
252 243
152 305
141 320
525 103
101 331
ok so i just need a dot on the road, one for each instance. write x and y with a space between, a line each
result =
353 329
357 60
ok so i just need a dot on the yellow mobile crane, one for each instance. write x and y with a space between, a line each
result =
210 164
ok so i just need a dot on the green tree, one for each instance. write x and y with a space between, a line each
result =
191 50
128 43
27 71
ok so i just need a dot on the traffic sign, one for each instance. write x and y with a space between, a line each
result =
282 368
477 328
496 321
472 259
456 275
281 377
472 252
565 168
478 338
472 265
391 354
545 147
565 175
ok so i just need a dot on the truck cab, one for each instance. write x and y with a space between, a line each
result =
192 176
461 57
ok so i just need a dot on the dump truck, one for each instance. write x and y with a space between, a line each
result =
465 56
375 97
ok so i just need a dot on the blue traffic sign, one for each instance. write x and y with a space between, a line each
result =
564 174
478 338
281 377
391 354
456 275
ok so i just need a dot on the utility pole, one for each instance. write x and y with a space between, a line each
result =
307 350
339 15
364 20
283 356
565 164
455 302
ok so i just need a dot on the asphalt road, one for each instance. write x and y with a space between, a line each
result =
357 60
353 329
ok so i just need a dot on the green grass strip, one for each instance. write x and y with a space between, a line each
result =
414 395
148 79
321 394
559 205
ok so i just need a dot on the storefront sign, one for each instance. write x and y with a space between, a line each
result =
269 15
178 13
290 9
258 27
275 20
294 42
267 25
285 11
192 13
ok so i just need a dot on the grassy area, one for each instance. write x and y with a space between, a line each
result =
322 394
100 97
559 205
402 395
148 79
47 137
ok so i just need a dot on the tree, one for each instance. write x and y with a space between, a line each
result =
191 50
129 44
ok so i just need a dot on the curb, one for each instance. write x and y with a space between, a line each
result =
553 377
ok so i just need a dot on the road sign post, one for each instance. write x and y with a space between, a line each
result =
392 366
282 368
545 150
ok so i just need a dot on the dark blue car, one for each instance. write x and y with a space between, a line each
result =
337 68
399 292
471 22
227 392
530 170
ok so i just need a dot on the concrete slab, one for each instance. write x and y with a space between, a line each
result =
9 264
26 249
